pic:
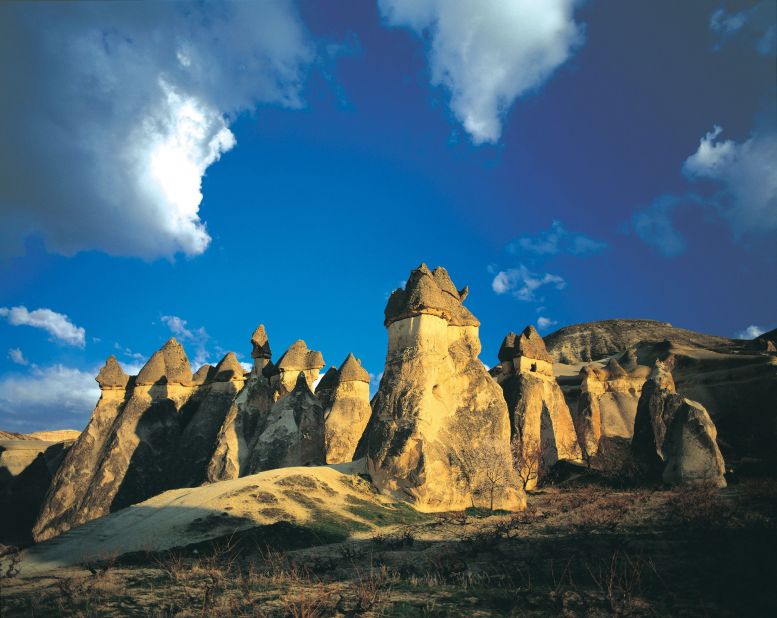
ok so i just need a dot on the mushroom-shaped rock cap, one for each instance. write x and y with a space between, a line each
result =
204 374
327 381
298 357
111 375
260 343
168 365
431 293
528 344
614 369
352 371
229 368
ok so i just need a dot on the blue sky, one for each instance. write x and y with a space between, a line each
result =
569 161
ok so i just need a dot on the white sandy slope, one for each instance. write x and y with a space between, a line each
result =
182 517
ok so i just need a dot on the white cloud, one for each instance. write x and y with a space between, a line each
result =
16 356
655 227
112 112
487 53
198 336
747 173
751 332
543 322
556 240
522 283
53 397
58 325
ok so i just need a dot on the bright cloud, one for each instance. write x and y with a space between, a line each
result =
522 283
751 332
58 325
53 397
112 113
748 175
556 240
543 322
16 356
487 53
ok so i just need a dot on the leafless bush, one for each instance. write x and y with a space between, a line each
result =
699 507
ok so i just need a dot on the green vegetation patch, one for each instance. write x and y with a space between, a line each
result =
384 514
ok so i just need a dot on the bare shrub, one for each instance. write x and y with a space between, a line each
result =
700 506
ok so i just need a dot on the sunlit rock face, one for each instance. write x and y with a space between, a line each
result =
675 439
246 417
297 359
439 434
542 427
294 434
345 396
607 405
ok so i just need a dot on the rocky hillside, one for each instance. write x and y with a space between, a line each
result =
592 341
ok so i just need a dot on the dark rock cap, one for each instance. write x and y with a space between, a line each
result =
327 381
298 357
229 368
528 343
352 371
168 365
260 343
111 374
431 293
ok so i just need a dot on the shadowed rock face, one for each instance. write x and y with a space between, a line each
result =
540 420
674 438
345 397
439 422
294 434
153 435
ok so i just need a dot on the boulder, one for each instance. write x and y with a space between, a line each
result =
541 423
294 434
439 433
691 449
345 397
675 439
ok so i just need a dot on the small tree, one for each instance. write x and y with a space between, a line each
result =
528 460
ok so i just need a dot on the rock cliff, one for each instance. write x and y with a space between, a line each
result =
541 423
439 434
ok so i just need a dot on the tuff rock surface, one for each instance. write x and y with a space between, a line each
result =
439 434
674 437
345 397
541 424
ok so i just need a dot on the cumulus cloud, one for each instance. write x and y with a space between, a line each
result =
112 112
556 240
522 283
746 172
487 53
544 323
58 325
751 332
54 397
17 357
654 225
757 21
198 336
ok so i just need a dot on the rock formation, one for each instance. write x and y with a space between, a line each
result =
130 449
439 432
540 420
298 358
345 397
608 401
294 434
674 437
